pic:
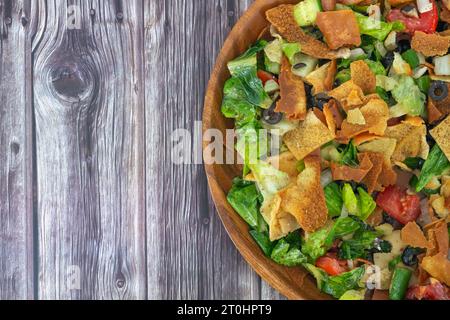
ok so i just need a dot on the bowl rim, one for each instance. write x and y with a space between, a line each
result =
258 262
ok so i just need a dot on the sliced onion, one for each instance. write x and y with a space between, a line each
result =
442 65
424 5
326 178
381 49
374 12
419 71
355 53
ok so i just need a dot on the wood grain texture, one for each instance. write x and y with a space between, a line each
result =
89 139
86 117
295 283
16 194
189 254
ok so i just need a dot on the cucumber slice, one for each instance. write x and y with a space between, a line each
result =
305 12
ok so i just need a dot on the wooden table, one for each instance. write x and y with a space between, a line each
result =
91 206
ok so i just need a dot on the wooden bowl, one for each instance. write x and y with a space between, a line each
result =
294 283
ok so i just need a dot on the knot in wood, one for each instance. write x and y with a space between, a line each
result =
72 77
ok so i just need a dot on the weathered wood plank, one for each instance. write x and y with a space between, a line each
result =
88 90
16 193
190 256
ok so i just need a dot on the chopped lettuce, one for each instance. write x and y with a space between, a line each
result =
376 28
344 226
273 55
316 244
319 242
410 100
350 199
349 155
269 179
235 104
366 204
376 67
435 165
244 91
361 206
290 50
287 251
343 76
333 198
252 143
336 286
263 240
245 199
353 295
362 241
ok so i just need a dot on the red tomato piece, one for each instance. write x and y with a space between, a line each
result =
399 205
434 291
427 21
266 76
330 265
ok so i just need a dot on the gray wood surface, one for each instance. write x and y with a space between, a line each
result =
88 191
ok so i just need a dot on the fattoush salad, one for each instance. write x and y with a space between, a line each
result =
356 92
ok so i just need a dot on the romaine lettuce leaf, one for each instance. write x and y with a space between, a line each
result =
435 165
350 199
244 198
333 198
376 28
366 204
288 254
410 100
336 286
244 92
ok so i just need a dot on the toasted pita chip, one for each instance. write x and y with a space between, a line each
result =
339 28
445 186
317 78
319 114
282 18
376 114
434 115
439 206
437 234
285 162
438 267
332 115
309 136
306 200
331 75
430 45
349 95
385 146
441 134
355 116
347 173
364 137
445 14
363 77
410 138
413 236
292 92
281 222
371 180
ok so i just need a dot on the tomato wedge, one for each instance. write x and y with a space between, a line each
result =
427 21
330 265
434 291
266 76
399 205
